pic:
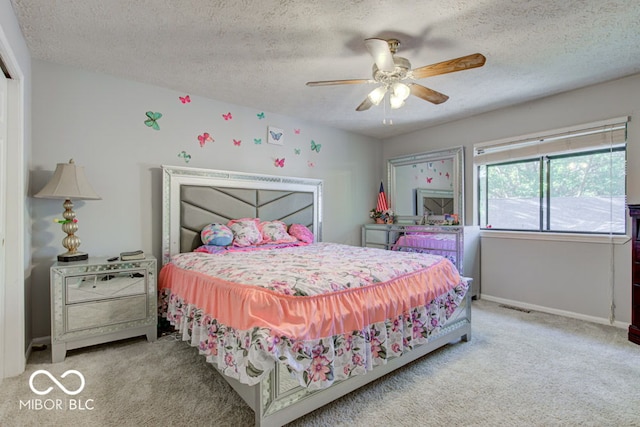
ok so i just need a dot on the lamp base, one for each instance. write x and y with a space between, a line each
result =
78 256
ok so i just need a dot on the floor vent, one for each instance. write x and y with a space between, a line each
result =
510 307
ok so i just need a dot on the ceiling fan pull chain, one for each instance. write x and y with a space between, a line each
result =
387 120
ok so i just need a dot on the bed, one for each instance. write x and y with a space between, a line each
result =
313 321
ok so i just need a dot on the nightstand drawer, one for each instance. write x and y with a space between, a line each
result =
112 284
104 313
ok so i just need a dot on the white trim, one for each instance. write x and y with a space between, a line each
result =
9 58
4 136
46 341
41 341
14 357
556 237
548 310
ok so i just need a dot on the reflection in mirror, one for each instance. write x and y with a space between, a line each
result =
434 202
285 382
434 176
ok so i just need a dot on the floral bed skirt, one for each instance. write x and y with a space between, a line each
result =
249 355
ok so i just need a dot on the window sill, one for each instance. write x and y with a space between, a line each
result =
616 239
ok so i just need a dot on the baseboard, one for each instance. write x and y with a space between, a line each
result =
41 341
36 342
570 314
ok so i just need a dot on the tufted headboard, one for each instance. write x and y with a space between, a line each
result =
193 198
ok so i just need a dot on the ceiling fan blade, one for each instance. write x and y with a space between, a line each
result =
365 105
458 64
339 82
427 94
379 50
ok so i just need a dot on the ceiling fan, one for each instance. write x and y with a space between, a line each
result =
391 72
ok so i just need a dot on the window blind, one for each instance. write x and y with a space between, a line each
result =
604 134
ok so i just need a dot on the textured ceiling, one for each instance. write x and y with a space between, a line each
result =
260 53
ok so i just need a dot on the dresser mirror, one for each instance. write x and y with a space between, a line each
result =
427 184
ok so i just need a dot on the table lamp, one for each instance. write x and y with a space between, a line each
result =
69 182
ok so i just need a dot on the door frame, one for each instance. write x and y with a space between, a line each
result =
17 261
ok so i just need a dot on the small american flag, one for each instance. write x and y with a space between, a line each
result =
382 200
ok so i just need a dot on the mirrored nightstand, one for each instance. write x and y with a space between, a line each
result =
97 301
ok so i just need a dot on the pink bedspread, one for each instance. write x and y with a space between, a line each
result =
327 311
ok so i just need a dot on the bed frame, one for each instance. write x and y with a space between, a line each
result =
194 197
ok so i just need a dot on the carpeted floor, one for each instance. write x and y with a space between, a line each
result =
519 369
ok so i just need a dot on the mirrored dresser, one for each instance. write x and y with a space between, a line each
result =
460 244
97 301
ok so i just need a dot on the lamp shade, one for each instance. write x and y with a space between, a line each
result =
68 182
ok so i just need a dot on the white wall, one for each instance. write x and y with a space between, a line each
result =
99 121
558 276
584 294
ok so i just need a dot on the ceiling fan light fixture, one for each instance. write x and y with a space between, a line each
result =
377 95
390 70
395 101
401 91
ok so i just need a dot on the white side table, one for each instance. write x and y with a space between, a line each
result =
96 301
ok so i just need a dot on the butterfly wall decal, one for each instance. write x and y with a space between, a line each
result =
447 175
152 120
257 141
237 142
296 131
279 163
275 135
296 150
186 156
260 116
311 164
205 137
429 180
315 147
185 99
227 116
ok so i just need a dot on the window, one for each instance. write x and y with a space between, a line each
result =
571 182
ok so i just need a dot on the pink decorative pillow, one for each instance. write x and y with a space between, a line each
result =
301 233
245 231
275 232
